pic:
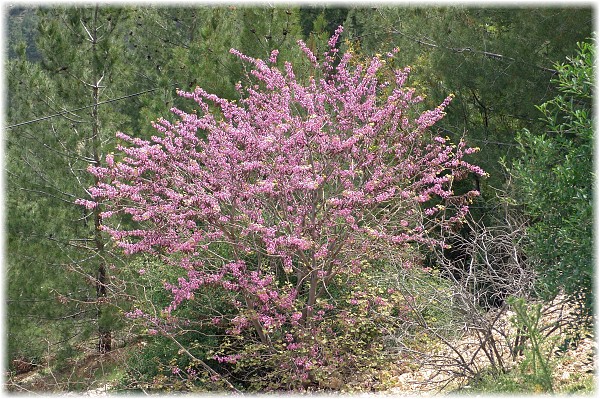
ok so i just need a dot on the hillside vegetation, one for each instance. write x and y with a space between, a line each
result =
299 199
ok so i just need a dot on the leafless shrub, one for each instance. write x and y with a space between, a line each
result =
461 324
461 313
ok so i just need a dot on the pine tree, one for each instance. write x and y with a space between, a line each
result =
38 244
81 66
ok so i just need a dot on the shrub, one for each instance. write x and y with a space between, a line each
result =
554 180
277 199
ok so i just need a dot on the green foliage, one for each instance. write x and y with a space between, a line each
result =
516 382
152 365
21 26
321 19
52 256
158 365
40 223
554 178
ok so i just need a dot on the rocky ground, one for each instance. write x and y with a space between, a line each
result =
439 374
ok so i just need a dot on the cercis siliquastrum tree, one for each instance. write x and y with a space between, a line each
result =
303 182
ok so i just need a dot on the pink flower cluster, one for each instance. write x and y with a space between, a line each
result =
304 177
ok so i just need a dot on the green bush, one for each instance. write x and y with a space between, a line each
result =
157 363
554 178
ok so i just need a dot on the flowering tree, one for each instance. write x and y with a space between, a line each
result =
278 197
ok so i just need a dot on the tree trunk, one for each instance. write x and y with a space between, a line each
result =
104 333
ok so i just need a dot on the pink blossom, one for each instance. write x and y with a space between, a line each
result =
293 346
136 314
228 359
297 182
295 317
